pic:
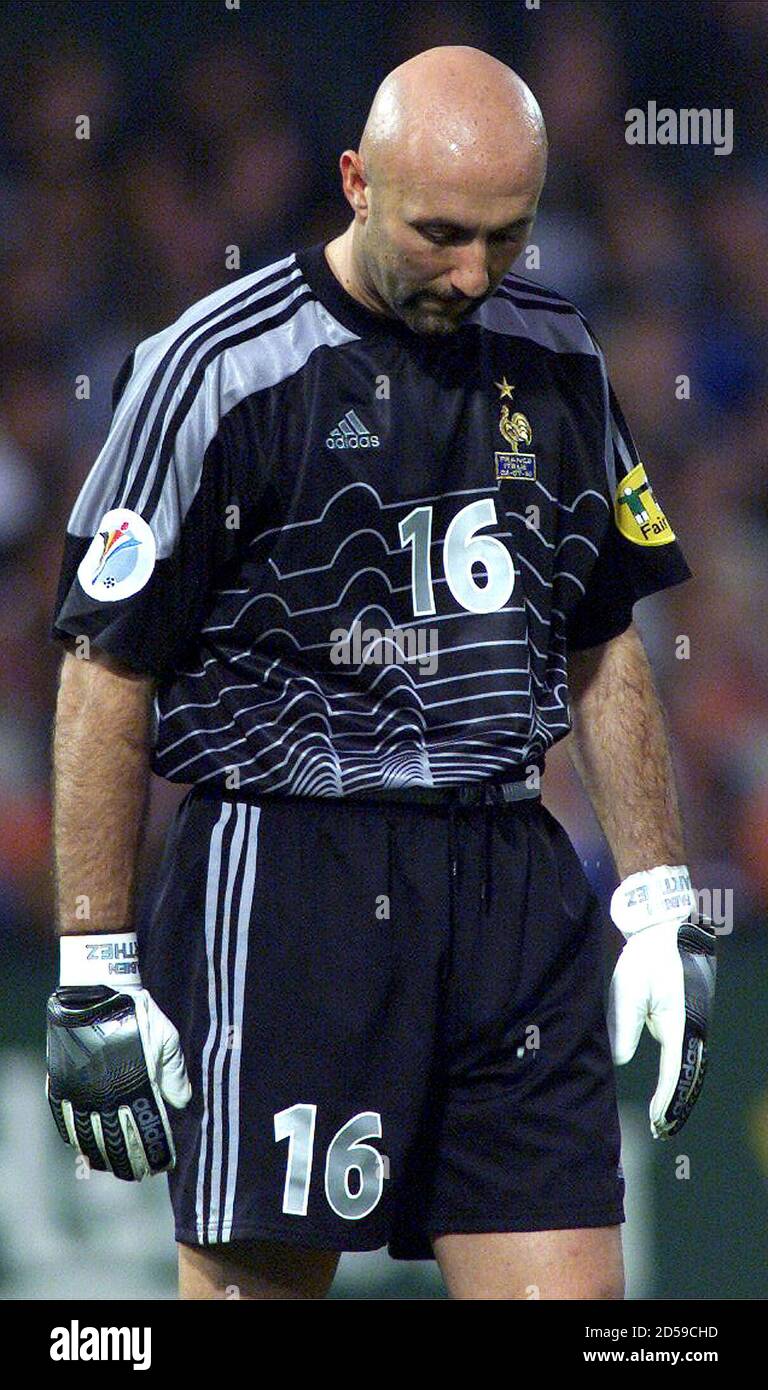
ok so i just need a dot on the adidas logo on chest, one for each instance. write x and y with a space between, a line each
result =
351 433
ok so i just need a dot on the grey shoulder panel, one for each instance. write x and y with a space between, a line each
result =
237 341
553 324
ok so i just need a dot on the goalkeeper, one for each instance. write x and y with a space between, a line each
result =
313 1075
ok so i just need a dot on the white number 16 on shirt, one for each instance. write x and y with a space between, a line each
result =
462 548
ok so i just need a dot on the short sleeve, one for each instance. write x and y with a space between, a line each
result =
638 553
155 520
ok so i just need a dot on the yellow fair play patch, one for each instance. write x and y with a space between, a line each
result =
638 515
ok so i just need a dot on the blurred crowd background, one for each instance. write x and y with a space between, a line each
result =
212 127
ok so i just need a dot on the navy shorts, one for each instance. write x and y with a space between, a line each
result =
393 1020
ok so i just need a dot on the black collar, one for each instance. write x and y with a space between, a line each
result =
354 315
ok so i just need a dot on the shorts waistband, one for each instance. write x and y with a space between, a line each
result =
494 794
524 788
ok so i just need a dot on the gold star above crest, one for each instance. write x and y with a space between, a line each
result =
505 388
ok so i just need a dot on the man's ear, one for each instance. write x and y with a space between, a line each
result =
353 180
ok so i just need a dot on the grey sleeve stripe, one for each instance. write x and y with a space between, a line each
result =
236 372
610 446
102 488
202 418
620 448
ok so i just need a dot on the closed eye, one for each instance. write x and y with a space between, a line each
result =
512 233
440 237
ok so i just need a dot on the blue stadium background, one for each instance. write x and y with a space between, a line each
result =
212 127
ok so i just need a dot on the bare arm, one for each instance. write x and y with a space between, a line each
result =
619 748
101 779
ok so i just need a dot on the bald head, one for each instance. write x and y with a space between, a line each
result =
444 188
453 112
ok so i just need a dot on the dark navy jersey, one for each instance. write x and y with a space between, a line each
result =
354 556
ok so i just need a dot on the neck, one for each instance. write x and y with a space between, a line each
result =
343 261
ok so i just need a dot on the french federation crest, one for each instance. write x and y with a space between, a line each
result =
515 428
120 558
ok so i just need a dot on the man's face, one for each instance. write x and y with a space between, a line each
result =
434 259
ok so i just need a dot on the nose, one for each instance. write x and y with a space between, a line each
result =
470 273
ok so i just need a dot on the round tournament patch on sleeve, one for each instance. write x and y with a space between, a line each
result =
638 515
120 558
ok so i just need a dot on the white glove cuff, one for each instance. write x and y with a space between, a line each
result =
107 959
653 897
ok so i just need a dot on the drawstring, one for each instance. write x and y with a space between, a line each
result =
452 844
486 875
485 890
486 882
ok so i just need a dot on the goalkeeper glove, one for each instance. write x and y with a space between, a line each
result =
665 978
114 1059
